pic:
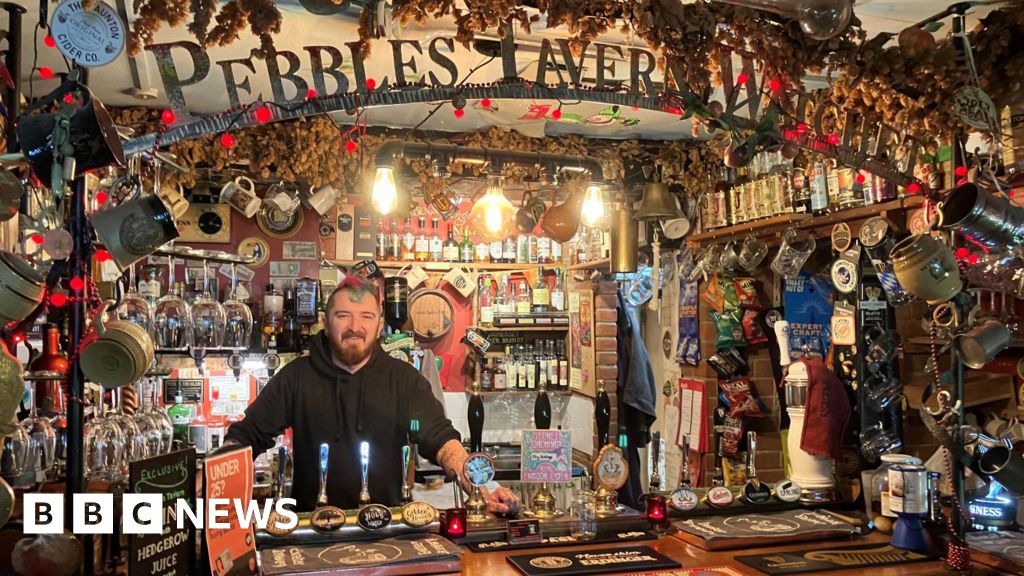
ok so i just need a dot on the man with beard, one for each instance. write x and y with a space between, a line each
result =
348 391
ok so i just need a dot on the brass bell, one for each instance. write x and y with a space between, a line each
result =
658 203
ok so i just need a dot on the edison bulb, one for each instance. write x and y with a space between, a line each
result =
493 215
592 212
385 193
824 19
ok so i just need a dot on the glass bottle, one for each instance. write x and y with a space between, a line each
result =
422 245
482 252
382 241
819 188
486 304
180 416
290 337
582 245
563 369
500 376
543 364
486 376
832 182
508 250
543 250
408 242
466 249
800 190
394 242
556 251
523 300
523 364
541 294
534 253
49 393
497 255
450 250
531 368
558 293
511 370
596 250
436 244
552 378
522 249
197 430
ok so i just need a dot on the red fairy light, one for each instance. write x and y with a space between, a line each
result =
77 284
263 114
45 72
486 102
371 83
351 146
557 113
962 253
802 128
37 238
961 171
103 256
459 112
101 197
227 140
775 85
973 259
49 41
913 188
167 116
310 94
859 178
57 299
742 78
833 139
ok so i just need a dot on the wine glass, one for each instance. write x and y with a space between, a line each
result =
104 446
172 317
42 440
208 318
1009 317
134 440
237 318
149 428
15 454
134 308
163 421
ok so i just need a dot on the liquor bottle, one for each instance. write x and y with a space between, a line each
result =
482 252
523 364
543 364
273 314
596 250
49 394
466 248
503 304
541 294
523 300
523 249
563 369
180 416
582 245
382 241
290 337
544 250
450 250
819 188
394 242
197 430
531 369
556 251
552 366
508 250
422 243
801 191
486 376
558 293
534 255
496 252
408 242
511 370
832 181
486 305
436 244
500 375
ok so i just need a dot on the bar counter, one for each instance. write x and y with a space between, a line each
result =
494 563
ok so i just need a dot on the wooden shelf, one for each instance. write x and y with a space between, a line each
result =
602 264
557 328
777 224
926 342
445 266
532 392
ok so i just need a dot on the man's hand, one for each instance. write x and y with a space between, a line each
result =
501 501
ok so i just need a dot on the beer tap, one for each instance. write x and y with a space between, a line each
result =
603 416
684 498
325 518
543 503
364 461
607 501
406 488
655 481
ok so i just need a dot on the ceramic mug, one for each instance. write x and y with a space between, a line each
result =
240 194
21 288
117 352
174 198
321 199
926 268
135 229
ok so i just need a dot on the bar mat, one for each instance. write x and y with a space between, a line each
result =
556 541
1006 549
414 550
722 532
592 561
709 571
817 560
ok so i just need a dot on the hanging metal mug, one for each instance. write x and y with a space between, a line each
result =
980 346
1006 466
989 220
135 229
530 212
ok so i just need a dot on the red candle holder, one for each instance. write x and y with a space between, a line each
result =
453 523
655 509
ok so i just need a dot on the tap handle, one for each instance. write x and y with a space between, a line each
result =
684 473
324 454
751 454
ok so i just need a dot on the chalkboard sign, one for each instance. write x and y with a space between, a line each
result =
173 551
190 389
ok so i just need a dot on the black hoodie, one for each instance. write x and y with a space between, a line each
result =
322 402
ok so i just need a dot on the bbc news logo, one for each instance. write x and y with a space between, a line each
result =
146 513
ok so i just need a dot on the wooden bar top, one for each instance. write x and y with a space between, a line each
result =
494 564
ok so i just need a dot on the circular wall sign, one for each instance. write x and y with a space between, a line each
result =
255 247
478 469
89 37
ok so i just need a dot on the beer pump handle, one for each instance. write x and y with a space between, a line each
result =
476 422
542 410
364 461
751 454
684 470
282 462
781 328
325 450
603 416
655 480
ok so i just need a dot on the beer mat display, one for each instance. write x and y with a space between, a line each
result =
1007 545
555 541
721 532
592 561
816 560
414 549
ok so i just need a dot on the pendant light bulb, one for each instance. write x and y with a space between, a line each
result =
592 212
385 193
493 215
818 19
